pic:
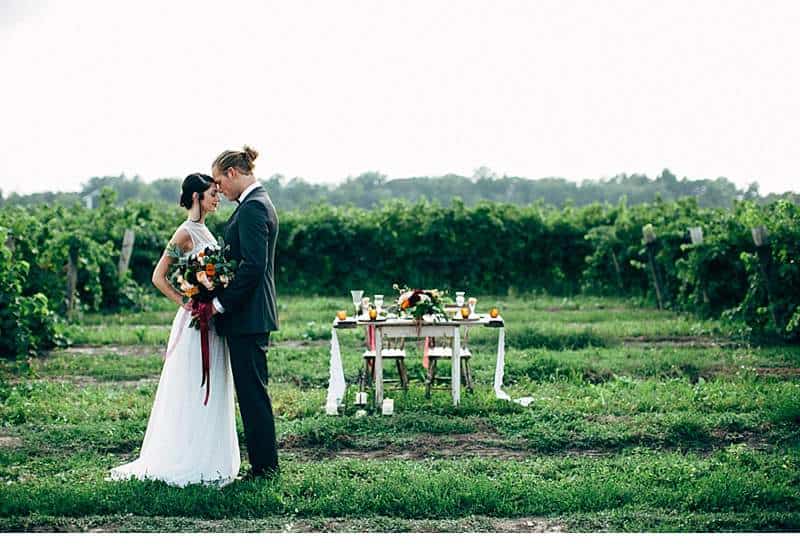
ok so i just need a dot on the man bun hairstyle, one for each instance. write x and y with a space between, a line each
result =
196 182
241 160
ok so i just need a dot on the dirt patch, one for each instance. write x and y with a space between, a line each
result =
139 350
135 523
298 344
539 525
7 441
481 444
83 381
778 372
678 341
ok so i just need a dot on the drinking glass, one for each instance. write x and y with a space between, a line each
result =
378 302
459 298
356 295
472 301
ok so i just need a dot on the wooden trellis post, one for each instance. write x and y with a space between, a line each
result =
696 235
72 282
617 269
761 239
127 250
650 242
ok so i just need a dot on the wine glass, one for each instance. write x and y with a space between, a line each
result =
378 302
356 295
472 301
459 298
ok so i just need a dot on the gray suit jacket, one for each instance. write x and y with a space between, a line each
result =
249 300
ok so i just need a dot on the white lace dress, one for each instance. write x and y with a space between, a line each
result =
187 442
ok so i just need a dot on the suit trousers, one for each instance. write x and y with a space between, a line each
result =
250 377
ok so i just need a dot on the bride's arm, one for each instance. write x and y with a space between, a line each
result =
184 241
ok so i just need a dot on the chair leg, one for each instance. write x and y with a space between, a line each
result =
429 379
403 373
369 370
466 373
362 380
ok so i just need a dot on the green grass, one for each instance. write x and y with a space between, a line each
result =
730 480
642 420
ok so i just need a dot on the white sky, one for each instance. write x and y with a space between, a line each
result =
334 88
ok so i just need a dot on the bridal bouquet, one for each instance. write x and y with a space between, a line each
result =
418 303
199 276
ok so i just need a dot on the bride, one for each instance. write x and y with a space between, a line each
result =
186 441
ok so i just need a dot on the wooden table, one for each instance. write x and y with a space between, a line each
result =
407 328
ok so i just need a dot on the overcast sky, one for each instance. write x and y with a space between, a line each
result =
334 88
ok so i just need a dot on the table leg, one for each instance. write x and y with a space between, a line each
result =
378 368
455 375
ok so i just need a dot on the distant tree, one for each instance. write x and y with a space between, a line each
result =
483 173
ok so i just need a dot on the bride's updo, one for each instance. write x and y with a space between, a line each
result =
196 182
243 161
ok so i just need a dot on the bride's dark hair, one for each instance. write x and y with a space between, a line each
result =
196 182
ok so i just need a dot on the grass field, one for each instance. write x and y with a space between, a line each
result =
642 421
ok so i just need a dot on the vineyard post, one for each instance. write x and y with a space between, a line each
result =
617 269
10 243
72 282
127 250
761 239
696 234
650 242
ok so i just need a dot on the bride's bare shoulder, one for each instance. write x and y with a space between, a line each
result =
182 239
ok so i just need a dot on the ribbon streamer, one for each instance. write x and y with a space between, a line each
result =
203 312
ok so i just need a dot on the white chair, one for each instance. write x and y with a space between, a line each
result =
443 351
392 349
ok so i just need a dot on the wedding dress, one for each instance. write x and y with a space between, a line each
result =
187 442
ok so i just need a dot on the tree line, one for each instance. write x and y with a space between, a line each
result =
369 190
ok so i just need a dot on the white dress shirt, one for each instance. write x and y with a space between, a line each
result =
245 192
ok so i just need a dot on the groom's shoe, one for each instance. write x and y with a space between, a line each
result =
259 474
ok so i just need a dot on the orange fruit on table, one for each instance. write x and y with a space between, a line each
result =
341 315
373 314
465 312
493 313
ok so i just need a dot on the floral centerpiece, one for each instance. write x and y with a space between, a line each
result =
418 303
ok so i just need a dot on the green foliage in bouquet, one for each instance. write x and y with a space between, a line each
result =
200 275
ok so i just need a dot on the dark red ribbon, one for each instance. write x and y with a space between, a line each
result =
203 312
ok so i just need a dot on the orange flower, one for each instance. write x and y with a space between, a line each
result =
211 270
404 304
191 292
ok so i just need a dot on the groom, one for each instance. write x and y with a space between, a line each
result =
246 311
